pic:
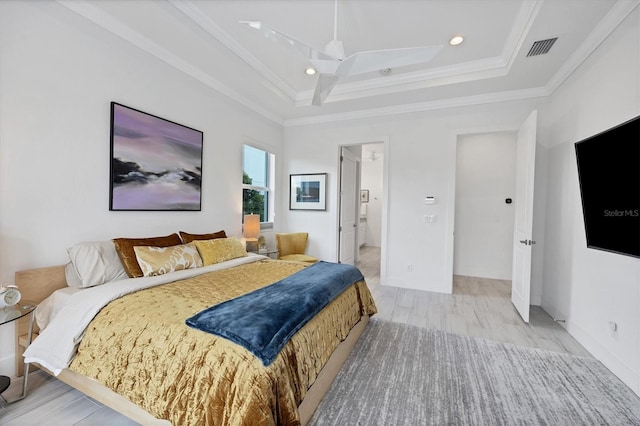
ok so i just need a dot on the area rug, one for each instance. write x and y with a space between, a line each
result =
404 375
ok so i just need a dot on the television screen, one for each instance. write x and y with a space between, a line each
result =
609 175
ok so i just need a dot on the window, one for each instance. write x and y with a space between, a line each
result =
257 179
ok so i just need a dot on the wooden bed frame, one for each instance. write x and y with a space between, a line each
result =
38 284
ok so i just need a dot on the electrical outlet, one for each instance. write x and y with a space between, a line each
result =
409 268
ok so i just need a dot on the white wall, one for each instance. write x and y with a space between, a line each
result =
586 287
485 177
421 161
58 74
371 175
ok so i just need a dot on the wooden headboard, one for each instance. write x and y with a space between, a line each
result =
35 285
38 284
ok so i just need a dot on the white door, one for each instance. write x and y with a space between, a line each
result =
348 211
522 231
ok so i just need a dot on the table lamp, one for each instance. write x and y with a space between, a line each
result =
251 231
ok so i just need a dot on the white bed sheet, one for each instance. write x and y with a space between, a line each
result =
56 345
49 307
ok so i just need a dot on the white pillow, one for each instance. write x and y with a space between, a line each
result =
93 263
70 273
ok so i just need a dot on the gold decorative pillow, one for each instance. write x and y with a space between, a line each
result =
162 260
220 250
187 238
124 247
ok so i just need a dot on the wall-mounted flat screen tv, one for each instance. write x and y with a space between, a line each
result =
609 174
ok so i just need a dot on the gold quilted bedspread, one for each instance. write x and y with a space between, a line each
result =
140 347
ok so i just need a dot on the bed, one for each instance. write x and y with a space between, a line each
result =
164 372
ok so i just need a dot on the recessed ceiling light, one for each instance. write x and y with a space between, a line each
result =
310 71
456 40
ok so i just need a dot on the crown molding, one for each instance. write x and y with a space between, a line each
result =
482 69
193 12
107 22
496 66
609 23
526 17
475 70
506 96
605 27
460 73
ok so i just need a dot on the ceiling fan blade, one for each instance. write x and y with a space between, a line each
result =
375 60
309 52
323 87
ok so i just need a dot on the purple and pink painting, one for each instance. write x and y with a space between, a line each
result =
156 164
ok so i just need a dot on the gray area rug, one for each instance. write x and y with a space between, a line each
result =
405 375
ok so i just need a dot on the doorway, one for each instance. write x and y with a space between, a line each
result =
484 214
371 198
367 192
522 238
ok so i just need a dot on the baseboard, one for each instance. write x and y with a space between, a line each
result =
436 287
625 373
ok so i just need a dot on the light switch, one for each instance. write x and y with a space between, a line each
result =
430 218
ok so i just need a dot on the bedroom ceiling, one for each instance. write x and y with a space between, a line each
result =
204 39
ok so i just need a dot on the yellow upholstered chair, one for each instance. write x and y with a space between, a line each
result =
292 247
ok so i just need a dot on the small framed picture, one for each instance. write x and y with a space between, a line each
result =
364 195
308 191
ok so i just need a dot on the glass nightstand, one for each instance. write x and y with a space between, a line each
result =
7 315
271 252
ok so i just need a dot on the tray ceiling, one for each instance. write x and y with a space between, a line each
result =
204 39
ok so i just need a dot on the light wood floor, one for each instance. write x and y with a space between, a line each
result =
478 307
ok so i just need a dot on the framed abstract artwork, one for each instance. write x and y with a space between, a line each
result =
156 164
308 192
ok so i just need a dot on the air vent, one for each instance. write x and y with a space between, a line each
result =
541 47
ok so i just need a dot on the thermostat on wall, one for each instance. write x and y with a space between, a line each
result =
429 199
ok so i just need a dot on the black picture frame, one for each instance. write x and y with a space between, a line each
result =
308 191
156 164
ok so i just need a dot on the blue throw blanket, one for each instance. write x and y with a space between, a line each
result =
263 321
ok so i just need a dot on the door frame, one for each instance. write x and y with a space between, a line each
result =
451 190
385 202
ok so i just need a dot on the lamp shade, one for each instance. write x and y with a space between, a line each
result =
251 226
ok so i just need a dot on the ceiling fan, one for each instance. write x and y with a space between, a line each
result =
332 63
